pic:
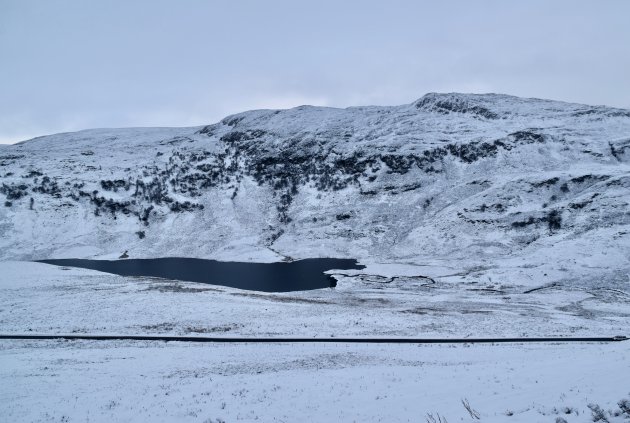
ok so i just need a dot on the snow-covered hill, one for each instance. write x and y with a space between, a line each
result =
479 179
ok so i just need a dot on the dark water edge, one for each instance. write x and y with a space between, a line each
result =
300 275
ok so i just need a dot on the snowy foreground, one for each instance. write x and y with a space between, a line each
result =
154 381
157 381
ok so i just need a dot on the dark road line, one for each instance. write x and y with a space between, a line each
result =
309 340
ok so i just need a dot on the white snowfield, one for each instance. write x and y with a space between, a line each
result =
475 215
121 381
183 382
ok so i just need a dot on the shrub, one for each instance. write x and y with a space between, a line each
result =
554 220
597 414
624 405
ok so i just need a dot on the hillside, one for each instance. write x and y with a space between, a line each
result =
470 179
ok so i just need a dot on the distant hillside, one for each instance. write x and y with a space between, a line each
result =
453 176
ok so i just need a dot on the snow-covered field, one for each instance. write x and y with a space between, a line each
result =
41 298
156 381
63 381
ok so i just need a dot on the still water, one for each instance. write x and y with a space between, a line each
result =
298 275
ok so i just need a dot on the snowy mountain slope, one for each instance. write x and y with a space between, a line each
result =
459 177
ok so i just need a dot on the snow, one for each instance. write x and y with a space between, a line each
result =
41 298
449 203
165 382
156 381
458 210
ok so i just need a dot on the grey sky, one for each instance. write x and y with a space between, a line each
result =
69 65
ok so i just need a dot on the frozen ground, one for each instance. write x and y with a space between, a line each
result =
156 381
152 381
42 298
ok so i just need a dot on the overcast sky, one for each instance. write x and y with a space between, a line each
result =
70 65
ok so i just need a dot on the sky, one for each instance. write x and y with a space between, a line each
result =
67 65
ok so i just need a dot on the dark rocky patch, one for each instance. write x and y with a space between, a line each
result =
545 183
455 105
553 219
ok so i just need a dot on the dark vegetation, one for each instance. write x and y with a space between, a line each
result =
47 186
545 183
499 208
455 105
115 185
14 191
10 159
284 166
599 113
295 163
553 219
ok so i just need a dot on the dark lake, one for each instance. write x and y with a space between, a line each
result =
298 275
